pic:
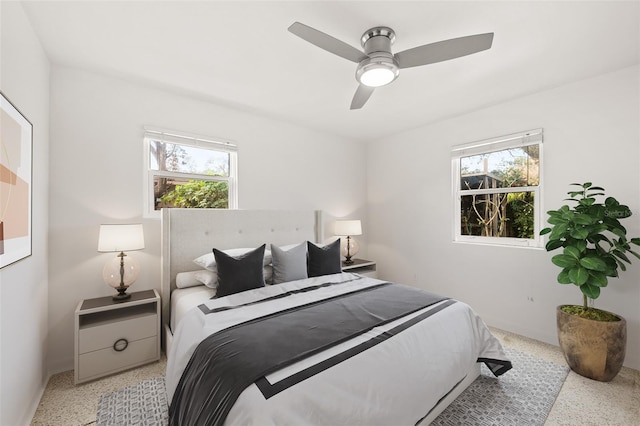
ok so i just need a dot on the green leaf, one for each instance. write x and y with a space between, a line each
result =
545 231
635 241
553 244
596 211
591 291
598 279
559 230
595 194
582 219
587 201
593 263
579 233
563 277
597 228
596 238
611 202
612 222
568 215
621 266
587 185
580 245
622 243
596 188
621 255
612 266
554 220
572 251
564 261
634 253
579 275
619 232
618 212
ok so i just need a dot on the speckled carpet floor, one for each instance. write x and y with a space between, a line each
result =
522 396
581 402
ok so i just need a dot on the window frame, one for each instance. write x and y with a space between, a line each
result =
515 140
191 140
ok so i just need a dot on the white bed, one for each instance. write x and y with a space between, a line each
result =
188 233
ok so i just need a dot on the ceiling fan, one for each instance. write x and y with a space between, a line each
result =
377 66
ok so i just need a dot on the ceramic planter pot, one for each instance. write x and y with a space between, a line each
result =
593 349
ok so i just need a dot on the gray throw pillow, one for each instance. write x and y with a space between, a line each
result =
289 265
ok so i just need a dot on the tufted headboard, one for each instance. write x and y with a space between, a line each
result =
189 233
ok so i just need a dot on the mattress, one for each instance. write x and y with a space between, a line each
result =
184 299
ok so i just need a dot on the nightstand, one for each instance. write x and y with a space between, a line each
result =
112 336
362 267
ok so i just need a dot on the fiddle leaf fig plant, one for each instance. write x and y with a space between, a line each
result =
593 241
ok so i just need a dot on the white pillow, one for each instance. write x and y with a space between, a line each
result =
208 261
267 271
194 278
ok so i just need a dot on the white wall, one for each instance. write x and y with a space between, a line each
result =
24 80
96 177
592 133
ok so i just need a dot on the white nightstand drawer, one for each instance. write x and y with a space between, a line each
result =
105 361
104 336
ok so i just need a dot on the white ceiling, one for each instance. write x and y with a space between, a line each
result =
240 53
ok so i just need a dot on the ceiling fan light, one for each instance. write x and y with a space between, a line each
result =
376 77
377 71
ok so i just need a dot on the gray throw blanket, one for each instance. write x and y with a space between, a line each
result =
225 363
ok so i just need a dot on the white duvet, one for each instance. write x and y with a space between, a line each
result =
395 382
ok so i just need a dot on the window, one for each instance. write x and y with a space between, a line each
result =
188 171
497 186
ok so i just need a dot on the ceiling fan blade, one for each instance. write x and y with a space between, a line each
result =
444 50
326 42
363 93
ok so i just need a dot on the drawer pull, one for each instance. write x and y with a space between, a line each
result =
120 345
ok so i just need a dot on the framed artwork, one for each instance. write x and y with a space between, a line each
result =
16 144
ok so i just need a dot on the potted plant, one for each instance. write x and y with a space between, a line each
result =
594 247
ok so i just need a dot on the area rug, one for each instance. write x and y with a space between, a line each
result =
143 404
522 396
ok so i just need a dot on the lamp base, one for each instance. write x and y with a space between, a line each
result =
349 247
121 293
120 273
123 296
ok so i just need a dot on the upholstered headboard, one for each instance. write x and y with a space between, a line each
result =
189 233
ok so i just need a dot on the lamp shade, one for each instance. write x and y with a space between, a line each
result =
347 227
120 237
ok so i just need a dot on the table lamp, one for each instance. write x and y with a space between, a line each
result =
349 246
121 271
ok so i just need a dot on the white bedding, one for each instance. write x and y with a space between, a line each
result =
396 382
185 299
